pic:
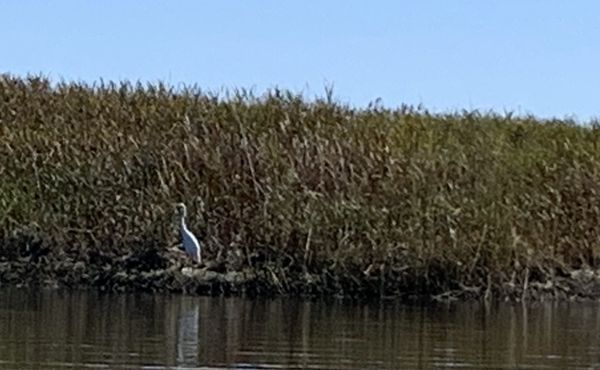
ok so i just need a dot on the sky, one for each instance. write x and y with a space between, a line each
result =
539 57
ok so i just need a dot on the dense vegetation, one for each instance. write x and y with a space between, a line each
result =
302 196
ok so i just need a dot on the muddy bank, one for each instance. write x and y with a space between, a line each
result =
169 270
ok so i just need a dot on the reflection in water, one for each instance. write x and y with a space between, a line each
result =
187 335
52 329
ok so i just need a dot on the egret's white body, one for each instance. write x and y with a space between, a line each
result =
189 241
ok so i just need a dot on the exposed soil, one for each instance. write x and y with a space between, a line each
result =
170 271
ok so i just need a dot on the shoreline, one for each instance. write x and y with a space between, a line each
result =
183 277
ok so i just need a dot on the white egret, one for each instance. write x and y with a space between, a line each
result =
188 240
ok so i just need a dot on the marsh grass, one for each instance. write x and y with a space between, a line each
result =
309 195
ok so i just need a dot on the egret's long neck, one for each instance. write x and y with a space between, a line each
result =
183 214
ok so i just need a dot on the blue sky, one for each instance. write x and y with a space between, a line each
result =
539 57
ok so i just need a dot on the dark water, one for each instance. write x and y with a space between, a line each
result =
51 329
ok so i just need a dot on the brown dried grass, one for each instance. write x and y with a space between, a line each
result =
372 199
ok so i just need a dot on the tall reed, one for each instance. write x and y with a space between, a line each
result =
313 193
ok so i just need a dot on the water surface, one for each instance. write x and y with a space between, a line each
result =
54 329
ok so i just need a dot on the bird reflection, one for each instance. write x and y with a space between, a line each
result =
187 332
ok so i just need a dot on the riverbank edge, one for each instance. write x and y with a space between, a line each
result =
181 276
